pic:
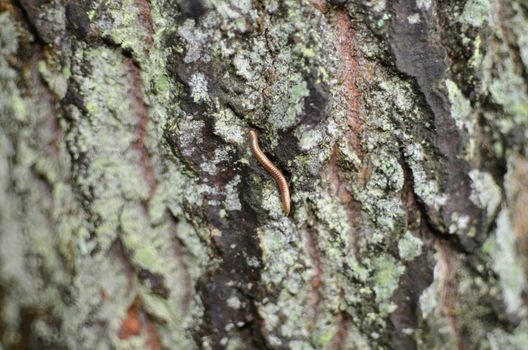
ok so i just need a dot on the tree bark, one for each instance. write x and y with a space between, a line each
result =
133 214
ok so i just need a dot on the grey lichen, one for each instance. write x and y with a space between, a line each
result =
465 118
199 88
423 4
195 39
517 340
486 194
425 187
476 12
506 262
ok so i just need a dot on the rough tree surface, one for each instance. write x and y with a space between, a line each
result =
134 216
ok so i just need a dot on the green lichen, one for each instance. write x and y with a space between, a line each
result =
285 111
387 272
11 102
33 216
111 155
56 81
502 81
476 59
127 27
332 212
409 246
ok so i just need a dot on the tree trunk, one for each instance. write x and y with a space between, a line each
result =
134 215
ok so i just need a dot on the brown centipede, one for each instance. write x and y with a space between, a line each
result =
282 184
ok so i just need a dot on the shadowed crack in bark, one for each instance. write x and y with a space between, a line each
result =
142 127
234 239
351 74
417 55
137 322
448 288
315 296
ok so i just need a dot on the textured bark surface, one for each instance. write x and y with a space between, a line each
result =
134 216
